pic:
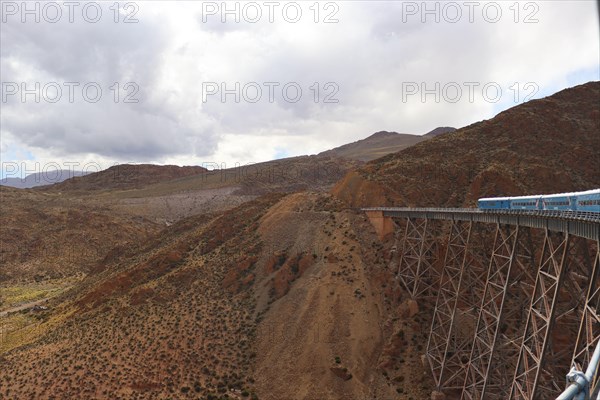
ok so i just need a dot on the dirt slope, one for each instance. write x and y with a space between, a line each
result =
329 337
160 323
279 298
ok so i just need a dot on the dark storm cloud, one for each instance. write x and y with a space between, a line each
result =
366 58
101 53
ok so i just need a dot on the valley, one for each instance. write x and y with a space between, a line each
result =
165 282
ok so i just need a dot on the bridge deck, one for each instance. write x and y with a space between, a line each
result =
581 224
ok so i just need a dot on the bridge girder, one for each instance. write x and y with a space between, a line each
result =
417 269
515 295
588 334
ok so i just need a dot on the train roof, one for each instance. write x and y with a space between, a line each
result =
494 198
509 198
587 192
535 196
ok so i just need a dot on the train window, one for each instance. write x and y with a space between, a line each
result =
557 203
589 202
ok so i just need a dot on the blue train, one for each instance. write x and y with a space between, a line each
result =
588 201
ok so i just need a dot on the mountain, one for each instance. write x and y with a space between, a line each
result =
543 146
263 284
126 176
379 144
40 178
440 131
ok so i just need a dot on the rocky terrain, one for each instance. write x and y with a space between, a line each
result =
380 144
256 283
549 145
46 235
277 289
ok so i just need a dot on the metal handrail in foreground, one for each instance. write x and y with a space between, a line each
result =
579 388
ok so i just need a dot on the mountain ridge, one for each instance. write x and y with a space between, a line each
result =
539 146
125 176
290 285
380 144
41 178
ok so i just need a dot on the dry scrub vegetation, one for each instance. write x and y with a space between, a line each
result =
277 298
256 286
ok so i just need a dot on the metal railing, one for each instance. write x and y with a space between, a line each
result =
582 224
571 215
580 383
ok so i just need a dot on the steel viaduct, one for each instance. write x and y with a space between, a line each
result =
515 295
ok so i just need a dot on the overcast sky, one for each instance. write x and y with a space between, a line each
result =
91 83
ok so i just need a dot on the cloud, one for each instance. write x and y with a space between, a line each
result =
363 64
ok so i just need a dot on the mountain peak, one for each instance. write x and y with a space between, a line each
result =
440 131
382 134
377 145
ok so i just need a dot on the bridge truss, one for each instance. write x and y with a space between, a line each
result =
516 294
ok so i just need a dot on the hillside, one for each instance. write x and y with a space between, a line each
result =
279 289
40 178
380 144
440 131
48 236
216 190
543 146
125 176
60 231
256 282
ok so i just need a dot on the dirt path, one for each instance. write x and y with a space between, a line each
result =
23 306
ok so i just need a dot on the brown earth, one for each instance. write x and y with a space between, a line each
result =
124 176
256 283
64 229
47 236
549 145
332 335
204 309
380 144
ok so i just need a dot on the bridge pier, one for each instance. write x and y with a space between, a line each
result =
554 298
445 347
383 225
492 361
460 290
418 270
493 332
587 336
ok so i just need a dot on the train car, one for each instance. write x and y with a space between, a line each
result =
494 203
526 203
560 202
588 201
